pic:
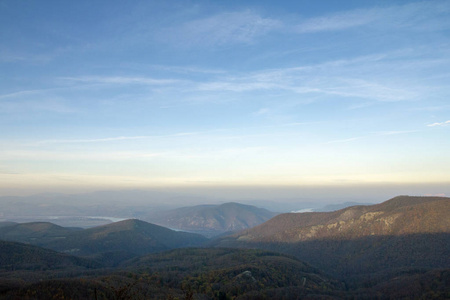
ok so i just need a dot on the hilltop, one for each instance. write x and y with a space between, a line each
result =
17 256
109 243
126 239
404 233
212 220
396 249
398 216
38 233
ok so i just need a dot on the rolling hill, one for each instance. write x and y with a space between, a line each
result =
212 273
7 224
212 220
17 256
398 216
403 233
190 274
37 233
109 243
124 239
398 249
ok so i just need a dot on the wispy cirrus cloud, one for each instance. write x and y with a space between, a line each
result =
53 105
246 26
446 123
346 78
432 108
120 80
415 16
84 156
396 132
188 69
346 140
113 139
337 21
381 133
220 29
23 93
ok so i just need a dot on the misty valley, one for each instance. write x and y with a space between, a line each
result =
397 249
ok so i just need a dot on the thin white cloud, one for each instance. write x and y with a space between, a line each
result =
38 155
346 140
13 57
382 133
121 80
49 105
24 93
262 111
243 27
221 29
346 78
446 123
429 15
432 108
188 69
397 132
114 139
338 21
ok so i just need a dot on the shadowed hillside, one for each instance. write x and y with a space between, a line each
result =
17 256
38 233
404 233
7 224
117 241
400 215
193 274
398 249
109 244
215 274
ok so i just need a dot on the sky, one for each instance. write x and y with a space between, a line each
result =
140 94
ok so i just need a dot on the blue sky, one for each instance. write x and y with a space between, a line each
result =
136 94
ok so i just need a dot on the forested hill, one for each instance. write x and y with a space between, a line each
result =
398 216
212 220
17 256
133 236
360 243
108 244
38 233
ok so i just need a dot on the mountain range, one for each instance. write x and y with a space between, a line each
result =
400 215
17 256
37 233
404 233
398 249
212 220
109 243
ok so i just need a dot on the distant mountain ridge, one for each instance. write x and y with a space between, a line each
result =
134 236
369 242
212 220
109 243
38 233
400 215
333 207
17 256
7 224
398 249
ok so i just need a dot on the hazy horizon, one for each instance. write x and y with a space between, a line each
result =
289 194
251 100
